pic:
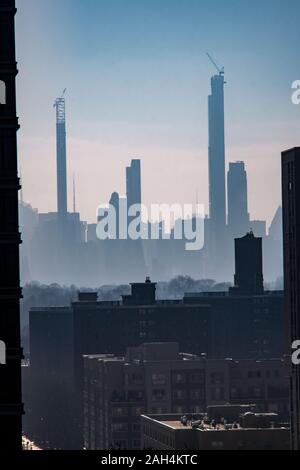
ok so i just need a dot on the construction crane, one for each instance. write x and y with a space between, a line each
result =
60 98
221 71
59 104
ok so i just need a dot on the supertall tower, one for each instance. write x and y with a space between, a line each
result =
11 407
61 156
216 157
133 183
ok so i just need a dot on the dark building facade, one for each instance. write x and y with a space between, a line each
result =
218 325
156 378
10 292
248 278
291 243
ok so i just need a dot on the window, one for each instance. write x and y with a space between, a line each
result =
158 379
179 409
135 379
197 394
273 408
119 427
119 411
235 392
254 374
120 444
158 394
179 394
136 427
2 92
217 378
257 392
135 395
217 393
158 410
136 444
198 409
179 378
197 377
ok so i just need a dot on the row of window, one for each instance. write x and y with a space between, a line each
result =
125 427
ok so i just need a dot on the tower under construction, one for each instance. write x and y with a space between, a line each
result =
61 156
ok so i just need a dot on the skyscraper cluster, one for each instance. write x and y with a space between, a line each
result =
62 236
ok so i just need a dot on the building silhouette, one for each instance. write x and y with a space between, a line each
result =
133 183
11 408
216 164
248 278
291 241
238 217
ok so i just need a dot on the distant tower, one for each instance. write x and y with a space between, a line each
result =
11 408
133 183
216 162
290 161
61 157
238 217
248 278
115 202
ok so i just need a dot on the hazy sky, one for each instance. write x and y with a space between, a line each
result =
137 81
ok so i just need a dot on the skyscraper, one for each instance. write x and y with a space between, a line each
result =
216 158
135 251
133 183
61 157
238 217
248 278
290 161
11 407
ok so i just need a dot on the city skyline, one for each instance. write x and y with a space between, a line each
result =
116 110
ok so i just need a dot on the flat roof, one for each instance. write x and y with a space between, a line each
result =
207 427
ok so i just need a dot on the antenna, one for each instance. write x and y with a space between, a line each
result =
221 71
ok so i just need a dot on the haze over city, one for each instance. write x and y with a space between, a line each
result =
137 81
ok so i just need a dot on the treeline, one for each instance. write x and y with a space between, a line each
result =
54 295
